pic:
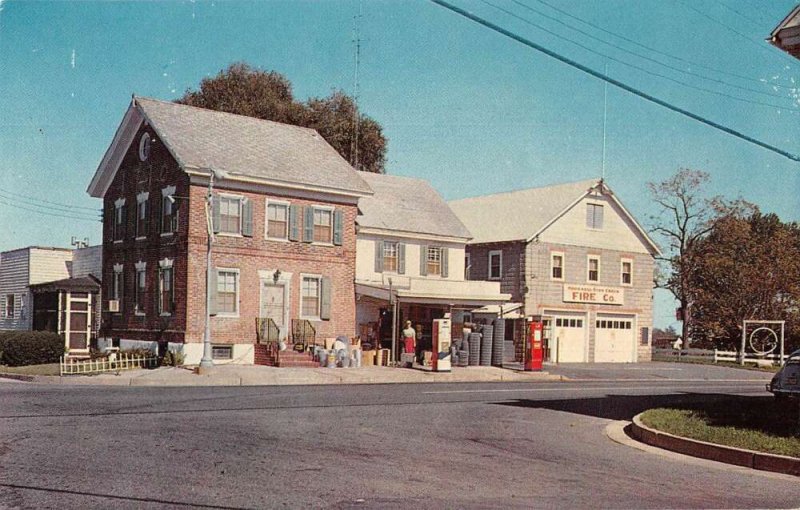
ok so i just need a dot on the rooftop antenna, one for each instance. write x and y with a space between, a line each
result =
356 120
605 117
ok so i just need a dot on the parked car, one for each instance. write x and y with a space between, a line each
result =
786 382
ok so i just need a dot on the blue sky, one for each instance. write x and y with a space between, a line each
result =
464 107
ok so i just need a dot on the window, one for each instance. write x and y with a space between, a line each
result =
644 336
433 261
390 257
142 201
627 270
310 297
169 211
277 220
230 217
467 266
166 287
140 288
9 306
221 352
594 216
227 292
495 264
323 225
116 285
594 269
568 323
118 225
557 266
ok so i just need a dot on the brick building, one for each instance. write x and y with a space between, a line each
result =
284 223
574 256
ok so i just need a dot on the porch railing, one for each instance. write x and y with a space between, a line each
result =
303 334
267 331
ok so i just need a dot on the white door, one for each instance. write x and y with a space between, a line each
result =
569 339
273 304
613 339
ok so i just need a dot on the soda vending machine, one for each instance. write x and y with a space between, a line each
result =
441 344
533 347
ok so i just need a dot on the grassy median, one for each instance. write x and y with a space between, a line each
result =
46 369
758 424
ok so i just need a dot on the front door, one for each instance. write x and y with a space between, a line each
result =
273 304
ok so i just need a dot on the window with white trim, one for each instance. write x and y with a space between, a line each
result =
277 220
166 287
227 292
169 211
118 224
310 297
142 210
594 216
593 269
9 311
230 214
323 225
626 272
140 288
557 266
222 352
433 260
116 285
390 256
495 264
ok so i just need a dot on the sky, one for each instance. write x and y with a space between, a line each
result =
462 106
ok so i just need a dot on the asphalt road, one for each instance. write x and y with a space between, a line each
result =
531 445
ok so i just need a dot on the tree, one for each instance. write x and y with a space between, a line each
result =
685 217
747 267
246 91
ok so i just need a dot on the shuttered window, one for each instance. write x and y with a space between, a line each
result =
390 257
433 264
230 217
310 297
594 216
277 221
323 225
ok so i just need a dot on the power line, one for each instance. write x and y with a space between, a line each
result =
748 18
612 81
17 206
655 50
66 206
646 71
650 59
756 43
58 210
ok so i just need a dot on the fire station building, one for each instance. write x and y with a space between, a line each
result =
573 257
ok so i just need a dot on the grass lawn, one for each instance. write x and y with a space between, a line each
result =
47 369
759 424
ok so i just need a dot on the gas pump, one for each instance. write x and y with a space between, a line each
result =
533 347
441 344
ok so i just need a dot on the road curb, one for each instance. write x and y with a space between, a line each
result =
704 450
18 377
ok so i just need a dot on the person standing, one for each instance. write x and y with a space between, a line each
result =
409 341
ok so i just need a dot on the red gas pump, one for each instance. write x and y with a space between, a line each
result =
533 347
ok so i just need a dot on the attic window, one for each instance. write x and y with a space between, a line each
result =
144 147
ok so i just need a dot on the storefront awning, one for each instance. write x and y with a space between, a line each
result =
505 310
87 284
462 294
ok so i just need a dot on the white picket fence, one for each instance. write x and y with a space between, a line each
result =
713 355
114 363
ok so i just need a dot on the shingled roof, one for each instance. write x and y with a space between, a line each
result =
405 204
517 215
244 147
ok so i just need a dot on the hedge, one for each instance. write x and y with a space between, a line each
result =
19 348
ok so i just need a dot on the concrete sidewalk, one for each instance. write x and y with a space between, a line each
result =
253 375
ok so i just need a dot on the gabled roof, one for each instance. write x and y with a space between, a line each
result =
786 35
245 147
517 215
524 214
407 205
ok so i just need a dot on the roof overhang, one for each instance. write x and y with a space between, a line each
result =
87 284
112 159
383 232
787 38
382 293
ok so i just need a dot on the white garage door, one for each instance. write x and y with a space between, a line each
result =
569 337
613 340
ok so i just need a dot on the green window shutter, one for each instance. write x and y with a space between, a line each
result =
378 256
401 258
308 225
325 301
212 292
247 218
337 227
215 214
423 260
445 261
294 222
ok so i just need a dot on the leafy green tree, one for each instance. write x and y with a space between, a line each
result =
266 95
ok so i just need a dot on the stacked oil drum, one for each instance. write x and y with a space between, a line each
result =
498 342
487 340
474 349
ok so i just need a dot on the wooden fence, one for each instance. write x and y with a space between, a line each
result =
114 363
713 356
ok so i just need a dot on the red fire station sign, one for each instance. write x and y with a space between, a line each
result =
594 294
